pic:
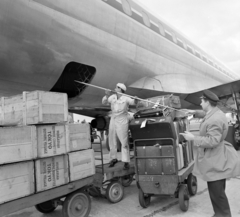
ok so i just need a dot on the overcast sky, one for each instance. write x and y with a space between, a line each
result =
213 25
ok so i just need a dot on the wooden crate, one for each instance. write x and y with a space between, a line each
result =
11 110
51 172
37 107
52 140
16 181
81 164
79 137
17 144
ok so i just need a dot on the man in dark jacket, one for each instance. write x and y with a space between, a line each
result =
216 160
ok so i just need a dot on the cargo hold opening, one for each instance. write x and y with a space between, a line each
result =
74 71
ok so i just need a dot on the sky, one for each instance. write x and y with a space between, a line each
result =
213 25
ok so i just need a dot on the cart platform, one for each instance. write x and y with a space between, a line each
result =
45 196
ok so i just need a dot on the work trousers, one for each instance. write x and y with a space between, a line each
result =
218 198
118 129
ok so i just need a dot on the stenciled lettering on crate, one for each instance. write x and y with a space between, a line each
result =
52 140
51 172
79 137
81 164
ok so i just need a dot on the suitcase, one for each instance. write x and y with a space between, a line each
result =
182 128
150 128
155 166
151 112
176 127
179 151
185 158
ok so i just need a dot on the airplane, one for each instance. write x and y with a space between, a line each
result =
47 45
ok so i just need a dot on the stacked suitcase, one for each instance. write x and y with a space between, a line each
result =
155 133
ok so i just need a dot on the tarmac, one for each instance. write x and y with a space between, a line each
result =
199 204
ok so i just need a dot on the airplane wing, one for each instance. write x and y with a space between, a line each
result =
226 93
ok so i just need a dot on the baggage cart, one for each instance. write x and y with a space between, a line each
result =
109 182
73 197
156 162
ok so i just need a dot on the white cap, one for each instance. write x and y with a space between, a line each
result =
122 86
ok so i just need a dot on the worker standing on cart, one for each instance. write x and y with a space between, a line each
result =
216 160
119 122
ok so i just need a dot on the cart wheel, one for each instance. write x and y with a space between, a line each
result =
46 207
183 197
114 192
127 180
192 184
143 200
77 204
94 191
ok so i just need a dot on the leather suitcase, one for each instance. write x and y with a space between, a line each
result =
149 166
150 128
182 128
155 112
168 166
185 158
176 126
155 166
179 151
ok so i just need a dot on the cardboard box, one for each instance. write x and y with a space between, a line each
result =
79 137
16 181
52 140
81 164
36 107
17 144
51 172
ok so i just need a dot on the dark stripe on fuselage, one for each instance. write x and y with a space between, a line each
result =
138 18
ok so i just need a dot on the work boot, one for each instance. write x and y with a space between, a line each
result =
126 166
113 162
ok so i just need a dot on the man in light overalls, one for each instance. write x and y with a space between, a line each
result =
119 122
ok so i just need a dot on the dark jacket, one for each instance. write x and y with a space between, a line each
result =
216 159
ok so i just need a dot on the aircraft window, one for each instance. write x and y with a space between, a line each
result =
168 36
185 45
198 54
193 51
204 58
174 38
180 43
126 7
146 19
189 49
161 29
211 62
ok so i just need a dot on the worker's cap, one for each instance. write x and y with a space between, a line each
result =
209 95
122 86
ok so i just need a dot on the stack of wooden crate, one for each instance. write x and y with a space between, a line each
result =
42 150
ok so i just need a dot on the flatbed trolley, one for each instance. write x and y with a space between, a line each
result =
109 181
77 202
156 162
